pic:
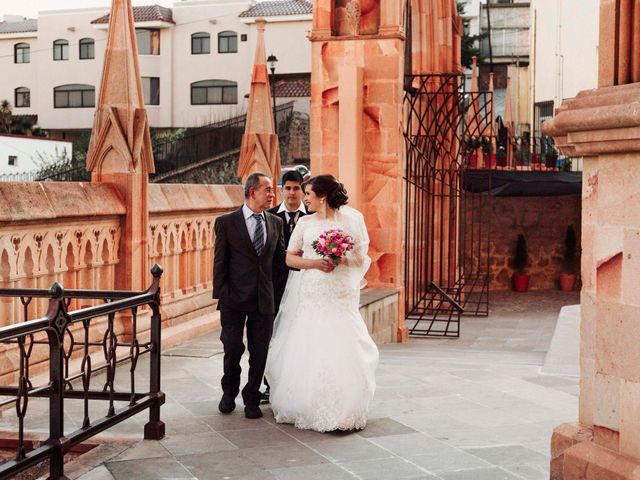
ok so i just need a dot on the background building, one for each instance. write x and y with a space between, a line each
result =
564 53
21 156
195 60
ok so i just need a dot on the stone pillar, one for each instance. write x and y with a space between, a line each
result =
120 149
356 96
603 125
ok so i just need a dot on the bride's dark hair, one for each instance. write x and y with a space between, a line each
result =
327 186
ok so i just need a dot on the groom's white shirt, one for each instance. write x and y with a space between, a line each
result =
250 221
283 208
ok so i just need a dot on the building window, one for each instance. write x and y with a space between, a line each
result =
21 53
148 41
200 43
74 96
243 37
214 92
13 161
543 111
22 97
151 90
61 50
87 49
227 42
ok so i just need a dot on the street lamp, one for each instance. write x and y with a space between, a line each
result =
272 60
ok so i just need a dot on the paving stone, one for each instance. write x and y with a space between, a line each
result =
149 469
447 459
98 473
312 472
258 437
283 456
510 455
380 427
234 421
144 449
393 468
348 449
229 465
196 443
480 474
529 473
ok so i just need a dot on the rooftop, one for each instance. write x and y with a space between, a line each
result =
147 13
23 26
293 88
278 7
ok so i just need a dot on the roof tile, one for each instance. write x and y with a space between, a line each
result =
27 25
278 7
147 13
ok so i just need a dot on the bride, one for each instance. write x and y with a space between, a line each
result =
321 364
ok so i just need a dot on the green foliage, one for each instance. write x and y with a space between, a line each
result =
61 167
521 255
469 44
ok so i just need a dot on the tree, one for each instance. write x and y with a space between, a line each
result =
470 44
5 117
17 124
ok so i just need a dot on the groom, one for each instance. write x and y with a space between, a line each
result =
247 243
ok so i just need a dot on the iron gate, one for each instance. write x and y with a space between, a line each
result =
446 226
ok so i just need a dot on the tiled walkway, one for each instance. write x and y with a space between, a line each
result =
475 408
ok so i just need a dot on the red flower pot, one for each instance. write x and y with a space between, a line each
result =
567 282
473 160
521 282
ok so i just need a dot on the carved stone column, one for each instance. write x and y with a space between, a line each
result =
603 125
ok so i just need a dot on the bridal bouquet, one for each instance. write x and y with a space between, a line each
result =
334 243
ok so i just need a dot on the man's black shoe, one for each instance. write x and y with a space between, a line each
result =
252 412
264 397
226 405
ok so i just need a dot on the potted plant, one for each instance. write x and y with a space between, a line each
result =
520 261
471 145
501 156
568 277
488 156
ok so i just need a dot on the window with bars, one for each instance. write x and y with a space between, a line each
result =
200 43
22 97
61 50
227 42
74 96
214 92
22 53
151 90
87 49
13 161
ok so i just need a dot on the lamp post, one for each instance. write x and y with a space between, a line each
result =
272 60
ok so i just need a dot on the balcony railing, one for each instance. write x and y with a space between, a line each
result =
83 335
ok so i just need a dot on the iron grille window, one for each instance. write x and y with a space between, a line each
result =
22 53
243 37
61 50
543 111
74 96
151 90
22 97
87 49
200 43
13 160
214 92
148 41
227 42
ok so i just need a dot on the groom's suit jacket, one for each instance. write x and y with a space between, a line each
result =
280 270
242 279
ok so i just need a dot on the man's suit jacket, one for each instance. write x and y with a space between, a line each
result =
280 270
242 280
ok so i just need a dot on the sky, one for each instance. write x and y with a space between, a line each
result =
30 8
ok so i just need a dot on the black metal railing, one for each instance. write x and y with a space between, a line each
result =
66 335
210 141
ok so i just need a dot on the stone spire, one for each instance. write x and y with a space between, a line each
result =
260 149
120 141
120 149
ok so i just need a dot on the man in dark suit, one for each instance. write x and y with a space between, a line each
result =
248 242
290 211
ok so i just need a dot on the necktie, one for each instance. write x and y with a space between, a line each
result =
258 234
292 221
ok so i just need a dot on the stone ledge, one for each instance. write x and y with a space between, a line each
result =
379 309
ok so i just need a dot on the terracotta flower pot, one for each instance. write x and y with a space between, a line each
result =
567 282
521 282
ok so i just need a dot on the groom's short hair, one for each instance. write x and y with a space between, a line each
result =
253 180
292 176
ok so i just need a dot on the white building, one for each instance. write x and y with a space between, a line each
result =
564 53
21 155
195 59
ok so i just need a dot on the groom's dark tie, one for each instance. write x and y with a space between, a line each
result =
292 221
258 234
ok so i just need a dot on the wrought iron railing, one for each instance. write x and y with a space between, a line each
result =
67 335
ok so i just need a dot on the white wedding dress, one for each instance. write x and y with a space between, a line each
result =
322 361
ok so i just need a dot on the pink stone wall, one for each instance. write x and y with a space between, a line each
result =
543 221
